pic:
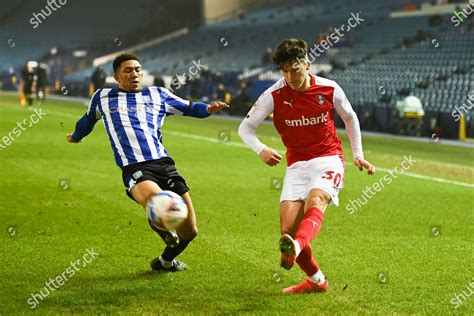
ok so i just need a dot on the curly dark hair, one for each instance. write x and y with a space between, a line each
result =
289 50
123 57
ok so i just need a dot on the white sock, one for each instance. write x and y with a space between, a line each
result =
164 263
318 277
297 247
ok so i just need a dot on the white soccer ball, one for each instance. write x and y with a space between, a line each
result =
167 209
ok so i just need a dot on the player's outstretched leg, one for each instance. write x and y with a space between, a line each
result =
309 227
175 243
316 281
291 214
187 231
167 262
170 237
288 251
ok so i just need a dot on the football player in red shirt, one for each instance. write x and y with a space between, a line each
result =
303 107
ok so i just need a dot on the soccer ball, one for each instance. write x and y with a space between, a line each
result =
167 209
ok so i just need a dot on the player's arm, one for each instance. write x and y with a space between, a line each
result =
85 124
345 111
84 127
261 110
178 106
203 110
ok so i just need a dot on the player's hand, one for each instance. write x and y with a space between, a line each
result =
70 139
216 106
270 156
362 164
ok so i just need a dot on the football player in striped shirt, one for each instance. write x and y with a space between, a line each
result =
303 107
133 117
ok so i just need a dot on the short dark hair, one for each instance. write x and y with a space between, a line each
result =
123 57
290 49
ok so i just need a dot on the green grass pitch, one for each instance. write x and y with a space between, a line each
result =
408 250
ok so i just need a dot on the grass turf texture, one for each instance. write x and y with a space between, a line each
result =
234 260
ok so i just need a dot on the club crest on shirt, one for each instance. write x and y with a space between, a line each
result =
146 99
320 99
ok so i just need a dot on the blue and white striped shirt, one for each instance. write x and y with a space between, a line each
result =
133 121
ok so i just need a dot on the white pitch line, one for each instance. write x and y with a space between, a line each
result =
408 174
204 138
420 176
63 114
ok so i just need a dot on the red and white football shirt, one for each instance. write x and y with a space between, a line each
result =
305 119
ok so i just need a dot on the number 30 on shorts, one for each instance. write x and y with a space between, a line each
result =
336 177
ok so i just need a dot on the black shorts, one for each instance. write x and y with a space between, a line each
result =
161 171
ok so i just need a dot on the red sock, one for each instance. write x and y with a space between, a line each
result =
309 227
306 262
